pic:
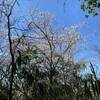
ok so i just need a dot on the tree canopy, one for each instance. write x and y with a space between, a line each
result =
91 6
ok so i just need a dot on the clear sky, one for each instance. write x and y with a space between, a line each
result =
71 15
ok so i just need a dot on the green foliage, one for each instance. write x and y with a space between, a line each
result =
91 7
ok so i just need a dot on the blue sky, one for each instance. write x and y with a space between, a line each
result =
71 15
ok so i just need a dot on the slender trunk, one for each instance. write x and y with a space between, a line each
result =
13 66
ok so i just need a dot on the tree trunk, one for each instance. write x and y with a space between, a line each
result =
13 66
